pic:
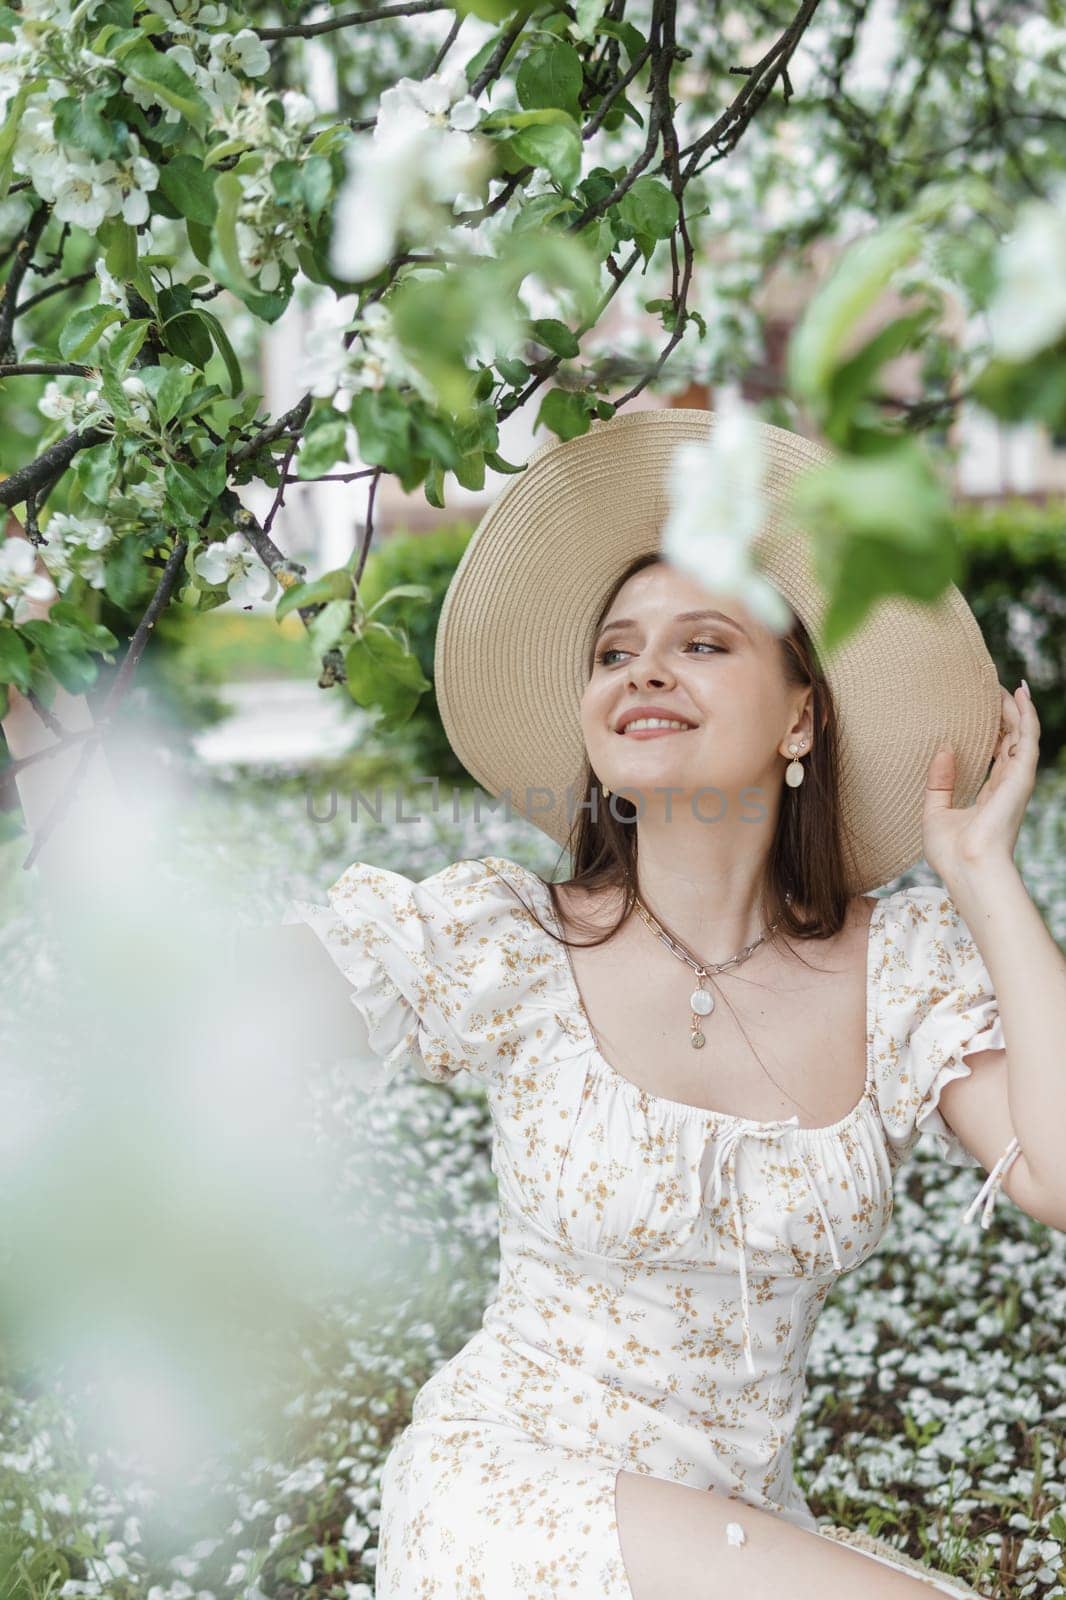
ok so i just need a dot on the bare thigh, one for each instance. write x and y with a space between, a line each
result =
674 1545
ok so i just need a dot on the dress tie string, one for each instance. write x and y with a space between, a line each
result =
725 1164
990 1188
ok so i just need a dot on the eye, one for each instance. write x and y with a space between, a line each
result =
602 655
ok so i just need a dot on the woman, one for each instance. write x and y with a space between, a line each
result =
699 1111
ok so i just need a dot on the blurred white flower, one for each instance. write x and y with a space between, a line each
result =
233 562
332 372
717 509
420 156
20 582
1027 312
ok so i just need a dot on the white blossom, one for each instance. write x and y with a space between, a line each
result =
332 372
1027 312
419 157
111 292
241 52
717 509
74 548
233 562
20 582
77 408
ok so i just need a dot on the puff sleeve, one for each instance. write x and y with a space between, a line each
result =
936 1004
391 938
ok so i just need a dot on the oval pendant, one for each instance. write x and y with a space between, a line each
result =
698 1040
701 1001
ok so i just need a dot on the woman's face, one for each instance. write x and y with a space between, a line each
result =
720 674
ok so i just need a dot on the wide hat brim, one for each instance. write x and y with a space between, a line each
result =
516 628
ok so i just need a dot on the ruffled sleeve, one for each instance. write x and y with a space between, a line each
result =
447 975
404 947
936 1004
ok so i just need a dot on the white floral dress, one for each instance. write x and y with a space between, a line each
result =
662 1267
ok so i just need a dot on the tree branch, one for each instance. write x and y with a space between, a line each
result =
24 249
353 19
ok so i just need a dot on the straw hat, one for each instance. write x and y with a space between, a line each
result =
516 629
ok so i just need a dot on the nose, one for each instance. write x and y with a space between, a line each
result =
649 671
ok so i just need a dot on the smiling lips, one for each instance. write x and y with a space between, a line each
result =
643 731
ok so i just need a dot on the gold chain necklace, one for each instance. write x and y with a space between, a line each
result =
701 1000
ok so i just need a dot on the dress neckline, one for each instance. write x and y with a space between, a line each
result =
704 1113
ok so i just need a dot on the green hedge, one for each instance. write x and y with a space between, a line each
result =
430 559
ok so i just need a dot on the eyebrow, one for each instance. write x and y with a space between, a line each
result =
682 616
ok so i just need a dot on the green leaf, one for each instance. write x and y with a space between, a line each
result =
381 671
470 470
119 240
402 591
172 391
185 490
851 382
588 14
328 627
551 76
434 439
880 524
159 76
554 146
1022 391
188 337
564 412
317 184
75 670
383 423
94 473
487 10
322 448
82 331
190 189
498 464
82 123
649 207
92 634
555 336
335 585
817 344
434 485
14 660
516 372
126 578
226 351
124 347
228 193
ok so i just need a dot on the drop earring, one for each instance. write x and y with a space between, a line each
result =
794 770
606 794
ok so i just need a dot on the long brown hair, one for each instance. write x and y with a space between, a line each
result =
806 859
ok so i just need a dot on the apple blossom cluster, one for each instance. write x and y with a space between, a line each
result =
421 157
74 547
